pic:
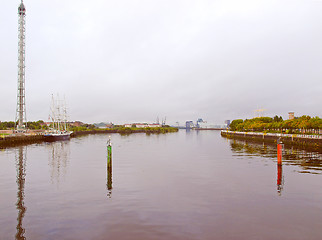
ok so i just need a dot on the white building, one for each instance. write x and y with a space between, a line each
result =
206 125
142 125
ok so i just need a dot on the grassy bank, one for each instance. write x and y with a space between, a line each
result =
124 130
7 140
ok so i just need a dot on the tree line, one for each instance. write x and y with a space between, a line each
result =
37 125
303 124
30 125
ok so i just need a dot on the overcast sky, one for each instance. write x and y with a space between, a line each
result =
134 60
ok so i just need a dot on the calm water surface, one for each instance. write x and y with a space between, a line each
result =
185 185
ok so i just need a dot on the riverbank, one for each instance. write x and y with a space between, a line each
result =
312 142
126 130
20 139
7 140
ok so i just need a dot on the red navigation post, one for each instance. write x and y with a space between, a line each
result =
279 152
279 166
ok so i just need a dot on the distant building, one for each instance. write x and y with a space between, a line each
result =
43 124
48 124
206 125
142 125
189 124
227 122
72 124
6 131
291 115
103 125
76 124
151 125
198 122
109 125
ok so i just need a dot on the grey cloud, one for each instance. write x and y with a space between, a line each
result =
136 60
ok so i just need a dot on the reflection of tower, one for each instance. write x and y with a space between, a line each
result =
21 106
21 173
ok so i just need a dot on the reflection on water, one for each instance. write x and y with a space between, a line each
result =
309 162
177 186
109 168
109 182
280 178
21 174
59 155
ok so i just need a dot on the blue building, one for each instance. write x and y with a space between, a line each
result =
198 122
227 122
189 124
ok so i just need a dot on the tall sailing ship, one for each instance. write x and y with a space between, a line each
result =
59 126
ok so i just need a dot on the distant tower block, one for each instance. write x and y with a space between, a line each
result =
21 105
291 115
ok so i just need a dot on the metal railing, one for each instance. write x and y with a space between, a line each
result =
275 134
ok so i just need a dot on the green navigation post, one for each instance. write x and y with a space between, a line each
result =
109 164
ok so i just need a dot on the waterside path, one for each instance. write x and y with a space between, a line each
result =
299 140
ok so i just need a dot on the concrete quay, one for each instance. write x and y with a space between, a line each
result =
17 139
313 142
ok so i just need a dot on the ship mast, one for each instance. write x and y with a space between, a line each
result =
52 115
58 114
21 105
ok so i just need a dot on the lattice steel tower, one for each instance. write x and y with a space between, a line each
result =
21 105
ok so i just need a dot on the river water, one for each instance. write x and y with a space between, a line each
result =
185 185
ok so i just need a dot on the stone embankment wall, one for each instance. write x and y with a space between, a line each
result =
80 133
6 131
34 136
300 140
38 137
